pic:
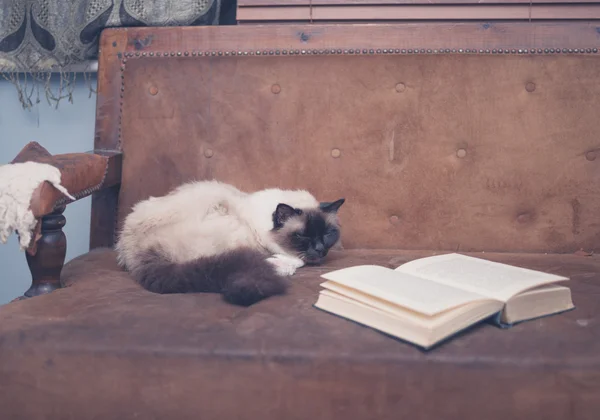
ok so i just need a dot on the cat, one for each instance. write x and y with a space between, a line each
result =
208 236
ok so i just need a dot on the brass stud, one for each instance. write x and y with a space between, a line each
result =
397 51
403 51
275 89
394 220
591 155
178 53
588 50
336 153
153 90
410 51
460 50
186 53
379 51
594 50
530 87
172 53
213 53
208 153
151 54
461 153
400 87
158 54
137 54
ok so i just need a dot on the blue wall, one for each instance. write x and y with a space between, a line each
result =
70 128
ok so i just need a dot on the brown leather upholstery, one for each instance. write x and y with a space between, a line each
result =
104 348
81 173
450 152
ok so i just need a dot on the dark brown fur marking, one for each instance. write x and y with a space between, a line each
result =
242 276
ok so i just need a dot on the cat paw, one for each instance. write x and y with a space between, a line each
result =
293 261
283 267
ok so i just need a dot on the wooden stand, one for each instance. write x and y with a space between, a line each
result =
46 265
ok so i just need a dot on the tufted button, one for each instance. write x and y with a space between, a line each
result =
400 87
591 155
336 153
394 220
275 89
208 153
530 87
153 90
461 153
523 217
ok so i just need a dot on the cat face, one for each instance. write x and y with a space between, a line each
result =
309 233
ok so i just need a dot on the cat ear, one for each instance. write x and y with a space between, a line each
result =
282 213
332 207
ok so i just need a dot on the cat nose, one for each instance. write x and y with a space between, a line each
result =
319 248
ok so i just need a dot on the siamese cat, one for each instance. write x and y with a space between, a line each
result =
209 236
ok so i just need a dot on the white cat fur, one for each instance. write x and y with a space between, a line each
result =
206 218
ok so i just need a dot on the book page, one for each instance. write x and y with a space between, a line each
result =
491 279
414 293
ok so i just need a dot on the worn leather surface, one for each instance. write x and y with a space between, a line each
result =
79 173
452 152
104 348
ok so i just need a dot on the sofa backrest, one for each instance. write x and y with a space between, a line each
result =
459 137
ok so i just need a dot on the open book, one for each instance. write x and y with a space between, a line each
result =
427 300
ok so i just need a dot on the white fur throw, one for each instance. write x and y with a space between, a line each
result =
18 181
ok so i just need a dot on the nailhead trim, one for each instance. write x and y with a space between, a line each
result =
358 51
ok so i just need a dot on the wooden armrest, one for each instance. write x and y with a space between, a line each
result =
81 174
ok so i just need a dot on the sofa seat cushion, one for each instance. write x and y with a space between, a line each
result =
102 347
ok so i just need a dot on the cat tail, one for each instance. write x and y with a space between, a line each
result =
242 276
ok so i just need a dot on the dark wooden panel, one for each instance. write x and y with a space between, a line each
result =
104 217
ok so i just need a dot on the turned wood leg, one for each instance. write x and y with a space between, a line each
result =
47 263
